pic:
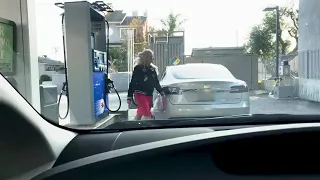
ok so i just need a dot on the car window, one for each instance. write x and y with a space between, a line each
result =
201 71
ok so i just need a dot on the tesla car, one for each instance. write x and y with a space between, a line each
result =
200 90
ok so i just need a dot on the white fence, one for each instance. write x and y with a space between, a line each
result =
309 64
121 80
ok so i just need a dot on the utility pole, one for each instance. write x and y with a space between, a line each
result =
278 30
277 40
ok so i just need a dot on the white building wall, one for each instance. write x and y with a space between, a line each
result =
22 12
309 42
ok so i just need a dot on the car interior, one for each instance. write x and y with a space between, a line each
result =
34 148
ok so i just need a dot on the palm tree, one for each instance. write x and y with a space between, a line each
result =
172 23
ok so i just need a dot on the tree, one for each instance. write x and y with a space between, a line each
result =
44 77
269 22
262 37
172 23
152 29
140 41
119 58
293 29
260 43
157 32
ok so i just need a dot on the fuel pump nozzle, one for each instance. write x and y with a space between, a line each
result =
109 84
108 87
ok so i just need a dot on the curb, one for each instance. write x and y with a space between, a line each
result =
99 125
289 98
259 92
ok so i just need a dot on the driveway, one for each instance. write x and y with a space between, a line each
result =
262 104
259 104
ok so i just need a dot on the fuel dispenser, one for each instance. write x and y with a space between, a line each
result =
284 86
86 45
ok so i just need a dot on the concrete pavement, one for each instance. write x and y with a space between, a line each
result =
113 105
260 103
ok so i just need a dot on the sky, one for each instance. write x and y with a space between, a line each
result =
215 23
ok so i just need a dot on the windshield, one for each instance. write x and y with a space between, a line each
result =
149 60
205 71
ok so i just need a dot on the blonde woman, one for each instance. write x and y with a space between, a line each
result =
143 82
136 62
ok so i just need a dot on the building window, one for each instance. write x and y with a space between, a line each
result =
124 32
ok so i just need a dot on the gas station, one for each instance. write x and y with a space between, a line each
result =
87 80
86 56
87 62
86 44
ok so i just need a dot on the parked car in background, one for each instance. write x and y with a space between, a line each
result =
200 90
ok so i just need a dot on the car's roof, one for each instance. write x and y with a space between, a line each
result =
197 65
196 71
199 69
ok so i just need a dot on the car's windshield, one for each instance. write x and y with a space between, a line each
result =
205 71
149 60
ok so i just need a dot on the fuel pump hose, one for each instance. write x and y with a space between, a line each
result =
109 82
109 86
65 84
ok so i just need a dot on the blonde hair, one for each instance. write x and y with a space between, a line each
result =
155 68
144 57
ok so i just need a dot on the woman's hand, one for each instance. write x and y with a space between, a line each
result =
129 101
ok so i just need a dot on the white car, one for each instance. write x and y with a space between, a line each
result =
200 90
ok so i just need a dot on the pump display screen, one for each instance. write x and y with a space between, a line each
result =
99 61
6 48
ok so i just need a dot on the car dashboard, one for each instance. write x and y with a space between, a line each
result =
266 151
34 148
263 152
